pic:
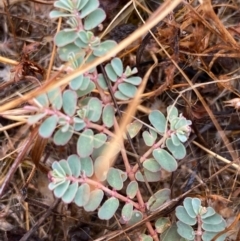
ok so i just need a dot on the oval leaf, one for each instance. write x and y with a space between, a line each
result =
62 138
87 166
95 199
108 115
75 165
85 143
114 178
108 209
83 195
132 189
165 160
69 102
94 19
48 126
158 120
69 195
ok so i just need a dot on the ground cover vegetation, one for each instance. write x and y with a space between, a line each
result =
119 120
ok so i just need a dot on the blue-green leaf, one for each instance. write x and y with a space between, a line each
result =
64 37
151 165
108 209
127 212
69 102
85 143
158 120
69 195
75 165
76 83
117 66
185 231
94 19
183 216
62 138
61 189
89 7
94 109
55 98
128 89
104 48
87 166
48 126
179 152
108 115
165 160
114 178
132 189
99 140
111 73
95 199
83 195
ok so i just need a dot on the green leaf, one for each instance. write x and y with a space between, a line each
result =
213 227
120 96
79 124
108 209
62 138
101 167
66 50
151 165
61 189
158 199
150 176
86 83
83 195
76 83
214 219
57 167
183 216
179 152
172 112
196 204
165 160
104 48
63 5
33 119
81 4
117 66
162 224
185 231
114 178
175 139
48 126
137 216
75 165
108 115
102 82
89 7
69 195
64 37
208 236
135 80
133 128
55 98
64 164
145 237
94 19
94 109
182 137
148 138
85 143
209 212
99 140
69 102
58 14
158 120
95 199
43 100
128 89
127 212
88 90
187 203
111 73
171 234
132 189
87 166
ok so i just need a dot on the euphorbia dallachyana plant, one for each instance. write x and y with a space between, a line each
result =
90 119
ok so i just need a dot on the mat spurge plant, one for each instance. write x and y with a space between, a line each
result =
75 113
